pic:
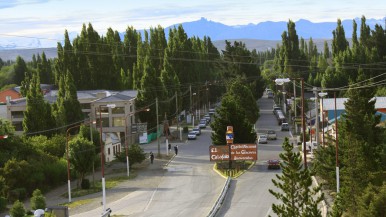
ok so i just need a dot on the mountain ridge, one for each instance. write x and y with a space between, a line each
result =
268 31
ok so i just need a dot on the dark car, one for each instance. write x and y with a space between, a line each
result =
273 164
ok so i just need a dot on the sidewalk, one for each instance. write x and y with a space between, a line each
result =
148 176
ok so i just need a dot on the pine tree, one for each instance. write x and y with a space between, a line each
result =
20 69
71 104
296 194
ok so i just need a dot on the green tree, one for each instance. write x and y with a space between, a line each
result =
71 104
296 194
231 114
135 154
372 202
243 96
17 209
339 41
20 69
38 201
38 116
82 155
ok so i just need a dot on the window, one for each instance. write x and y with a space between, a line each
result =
118 122
85 105
17 114
105 122
118 110
114 150
18 126
108 151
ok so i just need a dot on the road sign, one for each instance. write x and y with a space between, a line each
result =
238 152
218 153
229 135
243 152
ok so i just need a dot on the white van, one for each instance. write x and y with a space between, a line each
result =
310 146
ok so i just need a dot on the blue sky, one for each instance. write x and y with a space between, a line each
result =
49 18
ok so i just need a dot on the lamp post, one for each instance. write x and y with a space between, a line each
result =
322 95
102 155
281 81
68 162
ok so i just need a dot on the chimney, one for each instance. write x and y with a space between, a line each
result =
8 100
101 95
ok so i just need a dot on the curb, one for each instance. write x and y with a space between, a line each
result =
324 205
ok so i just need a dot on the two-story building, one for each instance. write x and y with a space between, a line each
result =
114 109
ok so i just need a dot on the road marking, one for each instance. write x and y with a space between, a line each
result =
151 199
269 211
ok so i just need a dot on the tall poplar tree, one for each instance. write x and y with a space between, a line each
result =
38 116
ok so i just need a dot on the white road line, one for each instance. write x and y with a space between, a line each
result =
269 211
151 199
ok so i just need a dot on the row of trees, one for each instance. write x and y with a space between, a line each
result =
362 144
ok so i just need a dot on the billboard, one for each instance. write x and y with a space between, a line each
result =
237 152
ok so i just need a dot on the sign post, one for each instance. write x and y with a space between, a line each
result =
229 138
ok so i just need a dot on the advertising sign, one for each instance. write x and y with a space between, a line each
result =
238 152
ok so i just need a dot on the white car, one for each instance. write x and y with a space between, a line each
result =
192 135
202 124
197 130
262 139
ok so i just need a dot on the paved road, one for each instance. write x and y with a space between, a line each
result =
189 186
248 194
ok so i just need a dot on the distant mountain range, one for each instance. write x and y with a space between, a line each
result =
259 36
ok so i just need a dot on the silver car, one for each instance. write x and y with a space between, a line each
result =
262 139
192 135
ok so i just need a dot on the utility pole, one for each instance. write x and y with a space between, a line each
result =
336 147
156 109
296 126
316 115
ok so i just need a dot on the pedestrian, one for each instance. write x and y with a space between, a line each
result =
176 149
151 157
170 147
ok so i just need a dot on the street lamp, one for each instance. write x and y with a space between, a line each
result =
68 161
102 154
322 95
281 81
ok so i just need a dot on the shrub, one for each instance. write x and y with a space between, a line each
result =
17 209
185 129
17 194
85 184
3 203
38 201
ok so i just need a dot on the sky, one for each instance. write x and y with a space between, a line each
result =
49 18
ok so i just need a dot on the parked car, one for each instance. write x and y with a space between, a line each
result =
207 117
273 164
202 124
197 130
192 135
262 139
271 135
270 94
212 111
284 127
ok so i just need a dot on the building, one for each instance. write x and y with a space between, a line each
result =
113 112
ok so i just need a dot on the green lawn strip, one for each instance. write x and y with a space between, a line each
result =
110 182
